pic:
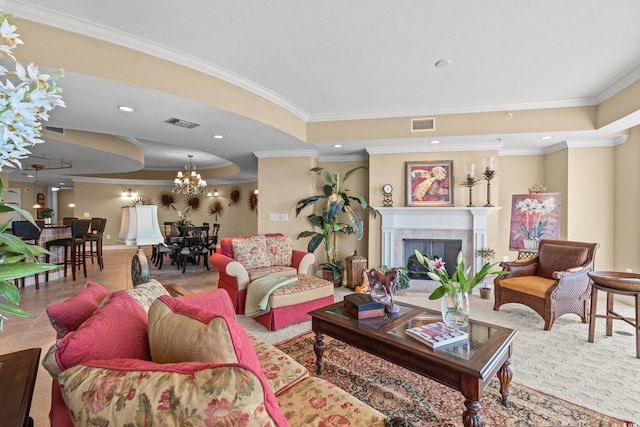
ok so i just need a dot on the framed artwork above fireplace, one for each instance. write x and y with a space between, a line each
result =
430 183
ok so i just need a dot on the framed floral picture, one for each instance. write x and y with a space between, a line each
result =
533 217
430 183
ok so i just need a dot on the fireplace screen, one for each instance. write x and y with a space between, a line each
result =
439 248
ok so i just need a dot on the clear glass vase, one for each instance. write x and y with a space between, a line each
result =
456 309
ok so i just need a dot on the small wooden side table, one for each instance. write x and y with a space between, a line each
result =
615 282
18 373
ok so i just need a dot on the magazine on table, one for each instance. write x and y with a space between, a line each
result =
437 334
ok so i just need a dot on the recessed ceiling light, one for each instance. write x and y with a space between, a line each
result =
125 108
544 138
435 141
443 63
337 145
218 136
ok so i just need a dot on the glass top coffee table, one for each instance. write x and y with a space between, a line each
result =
467 367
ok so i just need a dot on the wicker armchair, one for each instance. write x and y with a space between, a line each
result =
553 283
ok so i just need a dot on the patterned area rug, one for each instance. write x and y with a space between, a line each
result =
396 391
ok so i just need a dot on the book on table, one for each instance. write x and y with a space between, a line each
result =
437 334
362 306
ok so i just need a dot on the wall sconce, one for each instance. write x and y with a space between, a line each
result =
131 194
215 192
72 205
255 191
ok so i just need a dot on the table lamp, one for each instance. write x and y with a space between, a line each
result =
139 226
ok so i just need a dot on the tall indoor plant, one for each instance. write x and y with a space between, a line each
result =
337 202
13 251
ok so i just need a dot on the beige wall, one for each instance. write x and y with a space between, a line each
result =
626 227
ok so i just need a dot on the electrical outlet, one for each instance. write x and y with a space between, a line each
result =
108 236
274 217
284 217
87 215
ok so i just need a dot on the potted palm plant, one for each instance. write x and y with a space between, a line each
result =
337 202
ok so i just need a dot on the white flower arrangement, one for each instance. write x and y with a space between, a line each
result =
26 98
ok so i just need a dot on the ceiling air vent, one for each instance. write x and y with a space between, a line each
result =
59 131
181 123
423 125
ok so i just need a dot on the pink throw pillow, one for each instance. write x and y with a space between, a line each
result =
217 301
118 329
68 315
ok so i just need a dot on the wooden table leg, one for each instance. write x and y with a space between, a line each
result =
504 375
592 313
609 314
471 417
637 298
318 348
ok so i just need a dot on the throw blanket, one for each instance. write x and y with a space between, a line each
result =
259 290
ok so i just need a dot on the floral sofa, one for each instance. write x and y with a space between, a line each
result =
241 260
143 357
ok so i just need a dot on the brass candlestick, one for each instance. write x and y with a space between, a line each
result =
488 175
470 182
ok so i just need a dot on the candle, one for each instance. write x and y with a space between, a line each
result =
488 162
470 170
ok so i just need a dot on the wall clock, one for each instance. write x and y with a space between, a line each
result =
387 195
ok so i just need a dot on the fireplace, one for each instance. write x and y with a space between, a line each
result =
445 249
467 225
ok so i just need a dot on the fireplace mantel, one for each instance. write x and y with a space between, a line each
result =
422 221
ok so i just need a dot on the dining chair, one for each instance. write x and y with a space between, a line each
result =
213 238
193 247
76 256
68 219
30 234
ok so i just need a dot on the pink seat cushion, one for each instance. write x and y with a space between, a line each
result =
117 329
68 315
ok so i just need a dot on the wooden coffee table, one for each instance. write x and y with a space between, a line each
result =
468 367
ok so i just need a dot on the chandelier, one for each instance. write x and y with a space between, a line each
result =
190 182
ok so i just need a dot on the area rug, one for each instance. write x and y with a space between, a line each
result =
396 391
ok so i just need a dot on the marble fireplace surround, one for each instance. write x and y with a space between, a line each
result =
468 224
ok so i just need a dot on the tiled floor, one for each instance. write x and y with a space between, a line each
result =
22 333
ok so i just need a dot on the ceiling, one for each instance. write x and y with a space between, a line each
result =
334 60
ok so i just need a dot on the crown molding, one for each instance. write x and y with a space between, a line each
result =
431 148
286 153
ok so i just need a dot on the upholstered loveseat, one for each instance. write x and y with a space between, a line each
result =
142 357
241 260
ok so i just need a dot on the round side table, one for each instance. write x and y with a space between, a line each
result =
614 282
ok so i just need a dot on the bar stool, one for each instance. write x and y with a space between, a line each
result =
77 241
30 234
98 226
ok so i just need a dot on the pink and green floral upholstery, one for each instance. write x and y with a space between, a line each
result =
243 259
316 402
182 394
